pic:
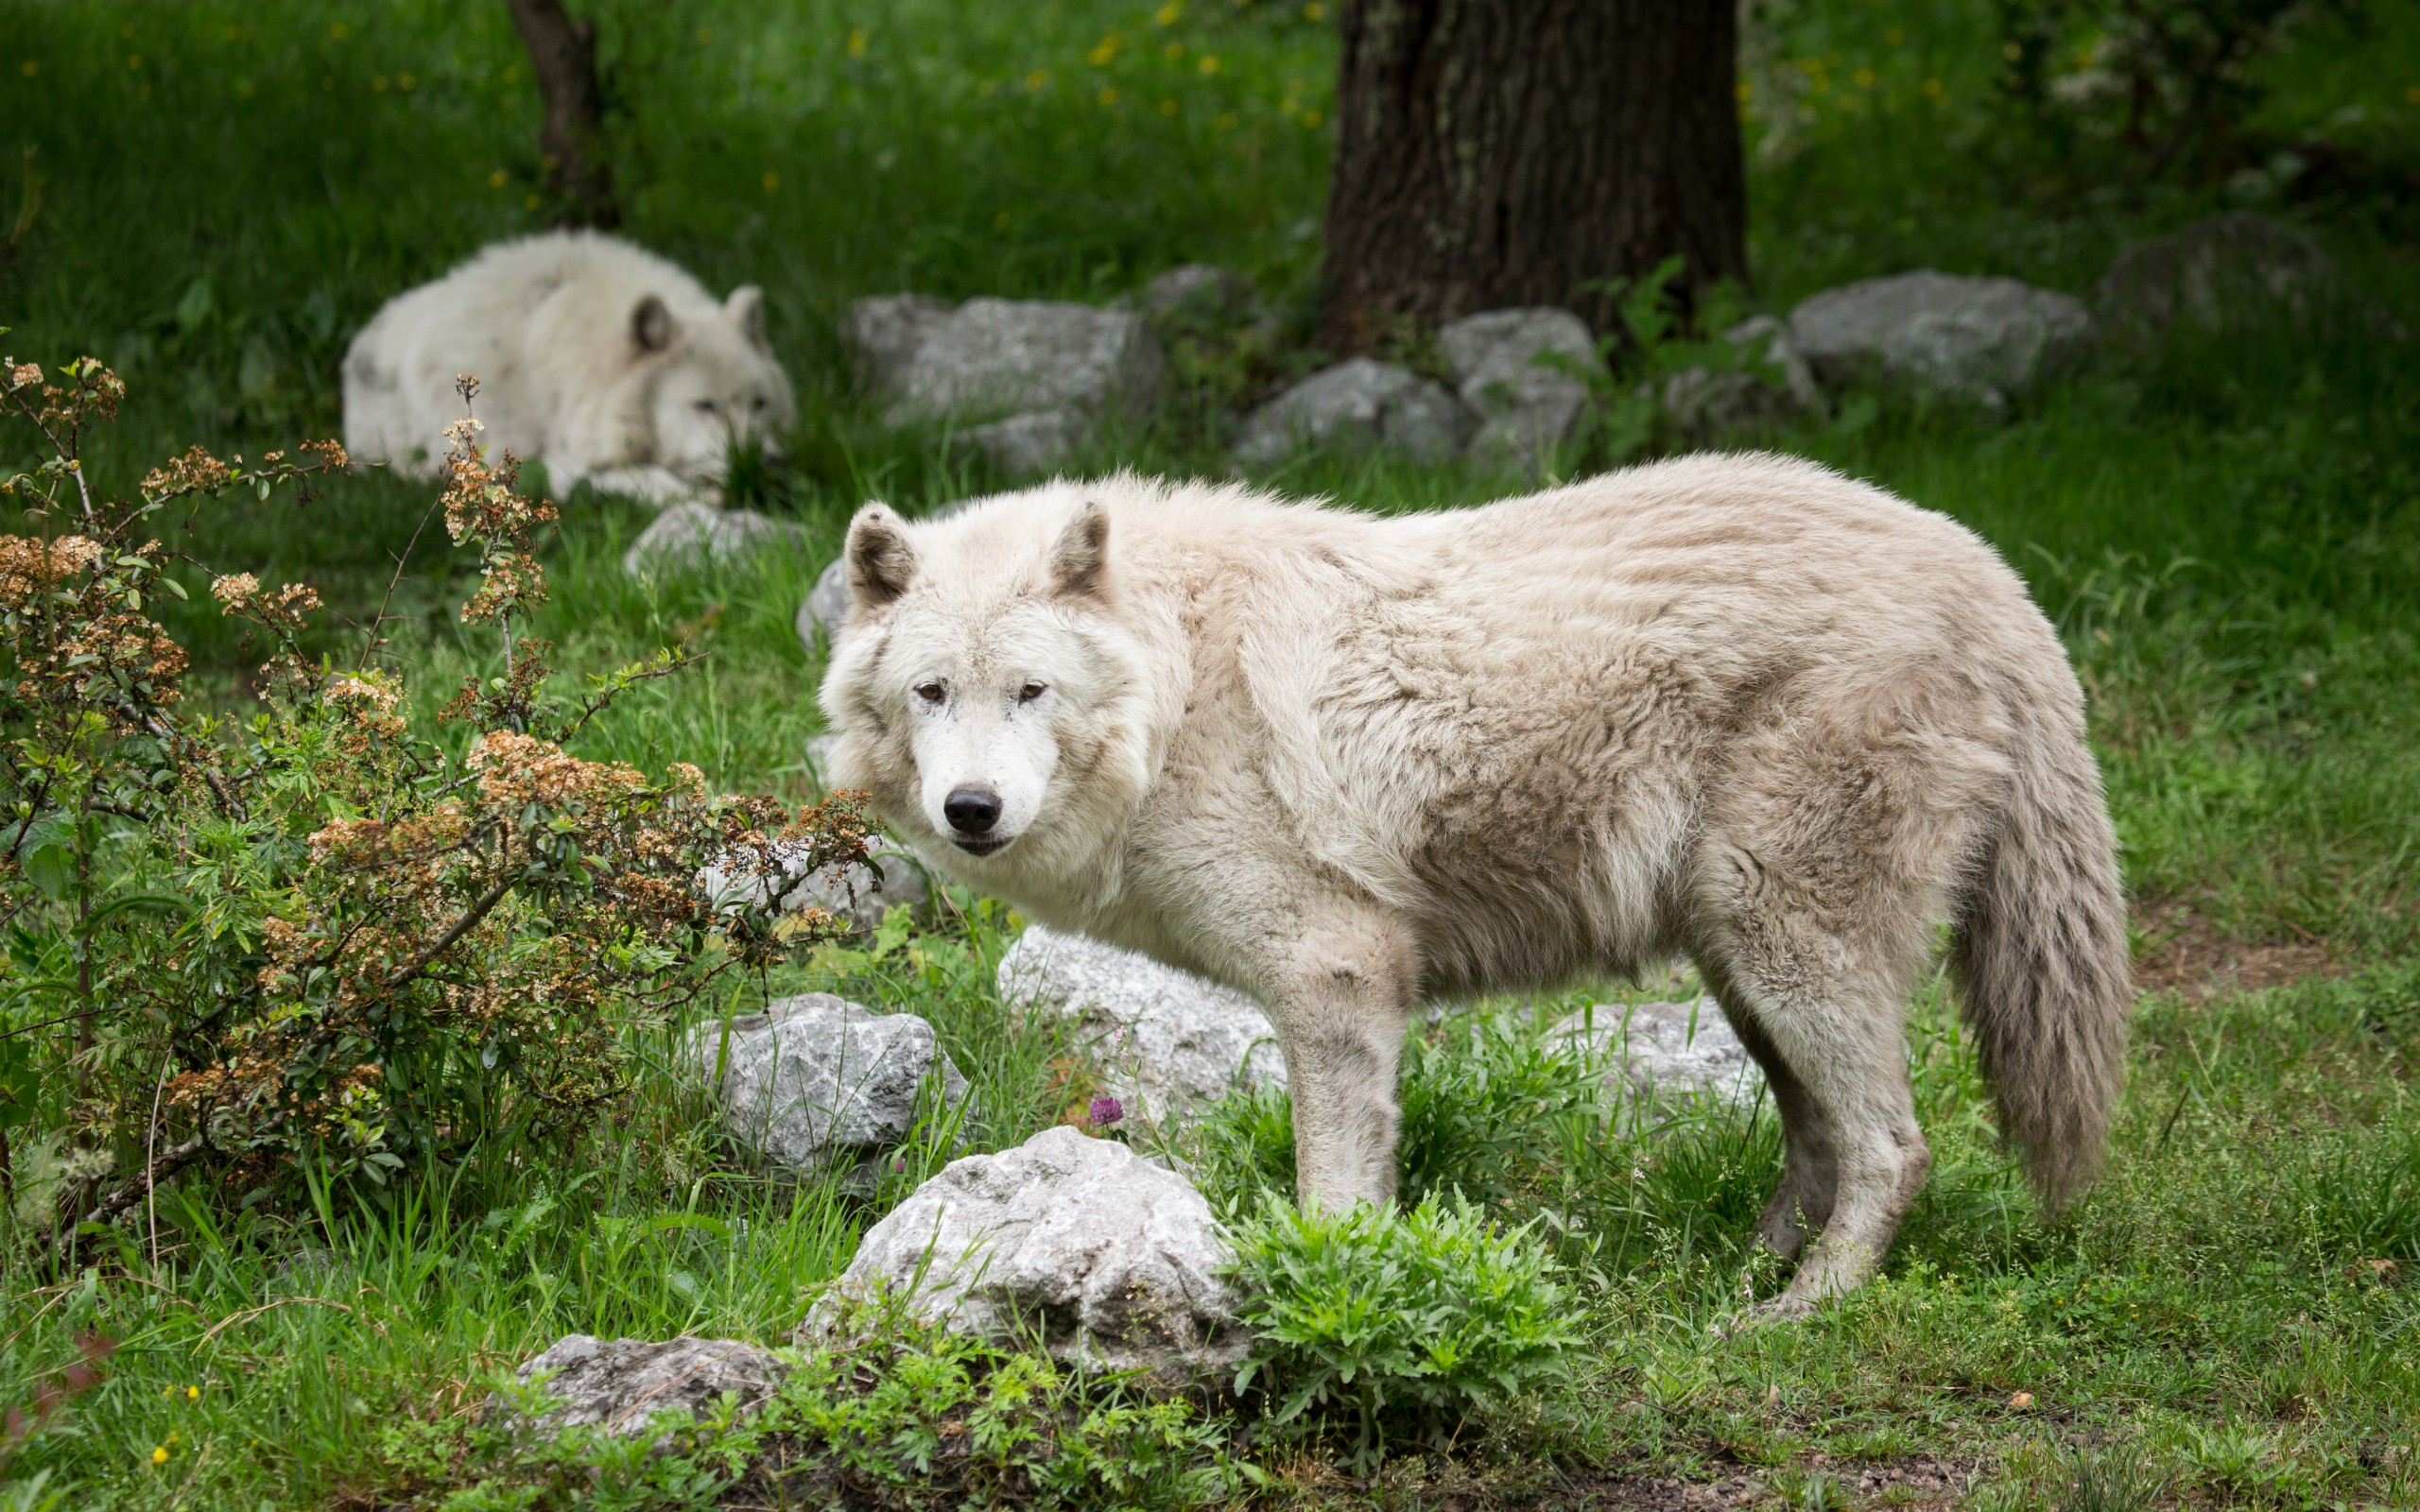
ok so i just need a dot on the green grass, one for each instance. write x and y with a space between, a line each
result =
2228 536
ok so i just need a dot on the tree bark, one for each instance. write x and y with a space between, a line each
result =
563 54
1513 152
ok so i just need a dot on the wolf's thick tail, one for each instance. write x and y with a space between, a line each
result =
2040 945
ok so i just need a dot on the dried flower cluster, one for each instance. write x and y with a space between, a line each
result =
315 932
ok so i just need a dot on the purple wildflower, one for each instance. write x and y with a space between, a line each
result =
1105 1111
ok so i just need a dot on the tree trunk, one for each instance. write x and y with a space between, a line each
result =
562 53
1512 152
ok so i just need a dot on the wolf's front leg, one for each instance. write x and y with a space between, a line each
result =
1341 1005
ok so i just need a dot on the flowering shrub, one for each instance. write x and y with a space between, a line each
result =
312 935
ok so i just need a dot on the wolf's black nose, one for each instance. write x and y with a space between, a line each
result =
972 810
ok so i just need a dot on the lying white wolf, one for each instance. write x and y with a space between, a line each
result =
602 361
1739 708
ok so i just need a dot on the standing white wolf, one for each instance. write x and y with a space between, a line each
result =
600 360
1739 708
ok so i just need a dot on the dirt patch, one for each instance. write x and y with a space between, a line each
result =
2191 958
1919 1483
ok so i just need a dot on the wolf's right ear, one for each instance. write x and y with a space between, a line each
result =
881 563
651 325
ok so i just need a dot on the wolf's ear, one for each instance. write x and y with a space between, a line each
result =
745 308
881 563
1079 558
651 325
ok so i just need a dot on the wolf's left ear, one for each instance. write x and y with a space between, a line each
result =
881 563
1079 558
745 308
651 325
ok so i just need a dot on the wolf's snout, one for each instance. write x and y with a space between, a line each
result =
972 810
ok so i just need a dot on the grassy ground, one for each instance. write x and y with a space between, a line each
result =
2229 537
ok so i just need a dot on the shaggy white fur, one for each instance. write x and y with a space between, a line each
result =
1739 708
601 360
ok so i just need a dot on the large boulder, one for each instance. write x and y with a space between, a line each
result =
1978 340
996 356
1522 372
620 1385
885 333
1165 1039
818 1083
1671 1053
1358 404
2223 275
1113 1262
688 536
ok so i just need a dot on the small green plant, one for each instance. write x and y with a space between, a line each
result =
2116 1479
1397 1325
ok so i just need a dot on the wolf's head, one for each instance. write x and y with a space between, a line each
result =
988 692
713 383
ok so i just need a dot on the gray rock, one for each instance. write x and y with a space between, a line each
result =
818 758
1025 446
1978 340
1165 1039
818 1083
1200 293
1766 341
827 605
1016 356
1525 406
2223 275
621 1384
1670 1052
1705 403
863 895
1356 404
688 536
1113 1261
885 333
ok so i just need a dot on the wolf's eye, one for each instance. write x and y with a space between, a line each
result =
1030 692
758 402
930 691
707 406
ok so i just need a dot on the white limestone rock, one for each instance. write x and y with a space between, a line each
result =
621 1385
1114 1262
1358 404
1978 340
1165 1039
1670 1052
687 536
818 1083
1520 371
863 895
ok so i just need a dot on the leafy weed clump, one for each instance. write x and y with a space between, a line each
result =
1398 1326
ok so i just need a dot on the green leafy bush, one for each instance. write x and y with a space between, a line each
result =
1401 1324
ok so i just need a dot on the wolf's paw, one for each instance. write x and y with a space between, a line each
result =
1782 1309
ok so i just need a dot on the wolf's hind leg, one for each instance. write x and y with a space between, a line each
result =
1802 1203
1850 1062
